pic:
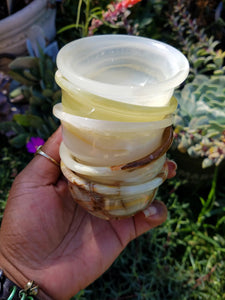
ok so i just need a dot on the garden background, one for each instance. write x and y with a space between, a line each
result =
183 258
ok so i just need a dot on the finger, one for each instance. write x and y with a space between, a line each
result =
172 166
43 170
155 214
151 217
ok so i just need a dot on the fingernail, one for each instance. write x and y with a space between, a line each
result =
172 167
150 211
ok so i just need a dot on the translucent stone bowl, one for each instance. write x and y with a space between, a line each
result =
119 73
117 191
108 143
117 113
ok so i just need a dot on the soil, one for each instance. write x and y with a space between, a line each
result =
17 5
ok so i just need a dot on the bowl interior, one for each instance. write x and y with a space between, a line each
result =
119 63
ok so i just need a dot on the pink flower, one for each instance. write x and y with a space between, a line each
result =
115 11
34 143
127 3
95 23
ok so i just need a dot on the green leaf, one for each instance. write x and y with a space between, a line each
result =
16 92
53 123
204 88
27 92
28 75
49 73
71 26
202 52
35 100
211 67
28 120
11 126
145 21
202 201
19 141
199 62
221 221
218 81
26 62
214 125
47 93
218 61
198 122
20 78
218 72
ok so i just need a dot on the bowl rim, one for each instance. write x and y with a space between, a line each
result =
120 92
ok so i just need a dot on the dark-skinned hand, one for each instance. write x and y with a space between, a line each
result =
46 237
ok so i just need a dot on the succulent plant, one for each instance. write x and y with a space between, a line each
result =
205 58
37 88
202 51
200 120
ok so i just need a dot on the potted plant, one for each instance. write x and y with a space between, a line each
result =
17 19
199 134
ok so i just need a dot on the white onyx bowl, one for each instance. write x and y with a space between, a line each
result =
112 175
123 68
108 143
116 191
113 201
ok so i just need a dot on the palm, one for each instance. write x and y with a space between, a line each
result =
48 238
65 239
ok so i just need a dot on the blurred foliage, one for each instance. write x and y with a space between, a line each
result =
12 162
181 259
78 19
38 89
200 120
204 53
199 123
90 14
207 14
5 108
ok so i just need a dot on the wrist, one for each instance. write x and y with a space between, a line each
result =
17 278
9 290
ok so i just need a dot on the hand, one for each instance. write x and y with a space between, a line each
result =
46 237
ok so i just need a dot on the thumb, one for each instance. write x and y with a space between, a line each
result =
151 217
